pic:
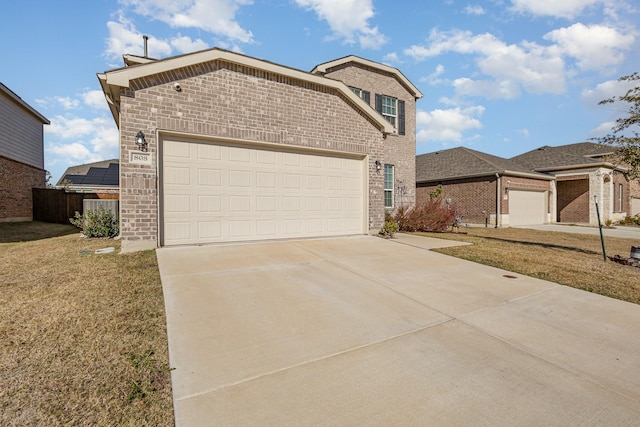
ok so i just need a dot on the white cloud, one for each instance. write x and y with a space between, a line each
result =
124 38
434 78
98 136
474 10
214 16
75 151
95 99
67 103
184 44
595 47
602 130
349 20
555 8
606 90
534 68
392 58
491 89
447 125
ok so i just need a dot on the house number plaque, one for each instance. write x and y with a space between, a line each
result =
140 158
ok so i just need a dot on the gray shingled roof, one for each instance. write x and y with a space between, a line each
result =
564 156
99 174
463 162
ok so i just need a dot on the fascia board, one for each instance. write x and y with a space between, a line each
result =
122 77
322 68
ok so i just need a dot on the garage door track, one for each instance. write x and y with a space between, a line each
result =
367 331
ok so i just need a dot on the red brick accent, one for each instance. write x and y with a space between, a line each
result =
16 181
573 199
473 198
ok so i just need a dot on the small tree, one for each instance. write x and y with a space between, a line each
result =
624 135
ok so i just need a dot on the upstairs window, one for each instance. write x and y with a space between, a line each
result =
392 109
366 96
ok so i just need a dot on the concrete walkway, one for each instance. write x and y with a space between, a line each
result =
367 331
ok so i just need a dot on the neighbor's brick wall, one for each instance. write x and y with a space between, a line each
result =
221 99
520 183
573 198
16 181
399 150
470 197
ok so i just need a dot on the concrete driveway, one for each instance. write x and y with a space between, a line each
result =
367 331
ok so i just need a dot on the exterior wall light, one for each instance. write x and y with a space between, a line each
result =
378 165
141 142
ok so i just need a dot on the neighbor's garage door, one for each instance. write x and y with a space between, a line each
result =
213 192
527 207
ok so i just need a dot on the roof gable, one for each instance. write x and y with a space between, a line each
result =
114 80
462 162
572 156
321 69
11 94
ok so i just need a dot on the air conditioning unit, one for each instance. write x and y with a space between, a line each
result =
95 205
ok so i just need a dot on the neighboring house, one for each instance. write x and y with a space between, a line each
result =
21 156
217 146
98 177
545 185
582 171
485 189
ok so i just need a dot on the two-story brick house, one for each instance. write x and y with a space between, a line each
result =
21 156
217 146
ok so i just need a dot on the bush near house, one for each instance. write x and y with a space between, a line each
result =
432 215
98 223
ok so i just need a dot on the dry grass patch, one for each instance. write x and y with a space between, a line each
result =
569 259
83 336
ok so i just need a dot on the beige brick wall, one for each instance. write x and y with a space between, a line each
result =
399 150
16 181
220 99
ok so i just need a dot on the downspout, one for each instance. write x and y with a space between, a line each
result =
498 194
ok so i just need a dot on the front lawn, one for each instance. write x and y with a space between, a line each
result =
82 335
566 258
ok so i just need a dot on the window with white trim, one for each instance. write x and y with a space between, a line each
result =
365 95
390 109
393 110
619 197
388 186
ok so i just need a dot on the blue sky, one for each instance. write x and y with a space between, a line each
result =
502 77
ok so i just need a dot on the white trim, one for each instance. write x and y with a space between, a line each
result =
322 69
122 78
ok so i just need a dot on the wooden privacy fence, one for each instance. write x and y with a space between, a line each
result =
57 206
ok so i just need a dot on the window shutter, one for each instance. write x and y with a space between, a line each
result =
401 130
366 95
379 103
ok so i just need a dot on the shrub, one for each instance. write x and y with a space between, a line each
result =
631 220
432 215
389 228
97 223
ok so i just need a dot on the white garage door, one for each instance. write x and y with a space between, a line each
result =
527 207
212 192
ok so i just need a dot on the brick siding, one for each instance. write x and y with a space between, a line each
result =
16 181
473 198
399 150
573 198
223 100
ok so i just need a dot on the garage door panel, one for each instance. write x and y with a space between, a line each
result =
527 207
223 193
